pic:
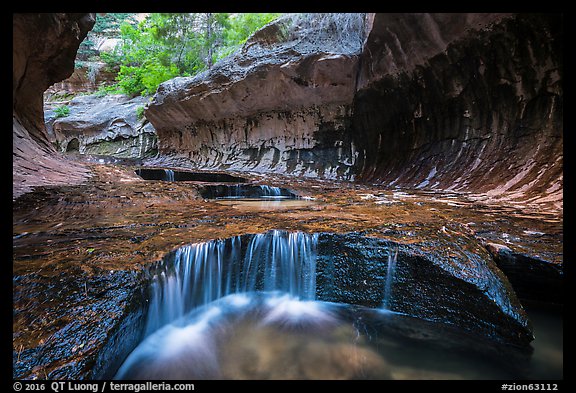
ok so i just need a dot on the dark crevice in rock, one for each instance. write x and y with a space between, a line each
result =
533 278
174 175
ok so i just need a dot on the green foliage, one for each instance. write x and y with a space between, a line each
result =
167 45
241 27
140 112
144 80
105 90
62 111
107 25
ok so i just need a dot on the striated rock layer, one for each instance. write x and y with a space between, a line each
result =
37 64
282 103
464 102
86 78
483 115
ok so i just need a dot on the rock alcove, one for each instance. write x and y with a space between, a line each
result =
431 146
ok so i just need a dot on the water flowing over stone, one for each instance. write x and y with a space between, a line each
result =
169 174
201 273
466 103
222 191
389 277
271 191
151 173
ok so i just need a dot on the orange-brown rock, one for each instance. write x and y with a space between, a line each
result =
44 47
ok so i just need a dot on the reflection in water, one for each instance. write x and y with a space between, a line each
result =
251 204
276 336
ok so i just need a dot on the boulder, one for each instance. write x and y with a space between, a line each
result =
446 280
108 125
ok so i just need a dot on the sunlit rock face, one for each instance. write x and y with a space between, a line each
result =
281 104
44 48
87 77
482 113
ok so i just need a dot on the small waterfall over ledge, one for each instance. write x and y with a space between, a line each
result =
168 175
391 268
252 306
275 261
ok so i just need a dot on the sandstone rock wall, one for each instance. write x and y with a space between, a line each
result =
464 102
483 115
280 104
44 48
87 78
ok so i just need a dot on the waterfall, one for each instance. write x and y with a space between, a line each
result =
276 261
235 191
389 277
168 174
268 191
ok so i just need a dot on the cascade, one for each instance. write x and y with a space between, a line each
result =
168 174
276 261
392 257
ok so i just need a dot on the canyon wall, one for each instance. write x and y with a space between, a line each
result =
464 102
482 115
89 77
44 48
282 103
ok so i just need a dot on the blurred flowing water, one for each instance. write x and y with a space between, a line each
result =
246 308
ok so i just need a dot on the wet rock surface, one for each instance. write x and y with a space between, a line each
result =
116 224
175 175
449 280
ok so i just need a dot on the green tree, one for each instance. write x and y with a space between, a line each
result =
107 25
167 45
239 28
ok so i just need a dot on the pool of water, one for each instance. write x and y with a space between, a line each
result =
547 360
276 336
267 203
